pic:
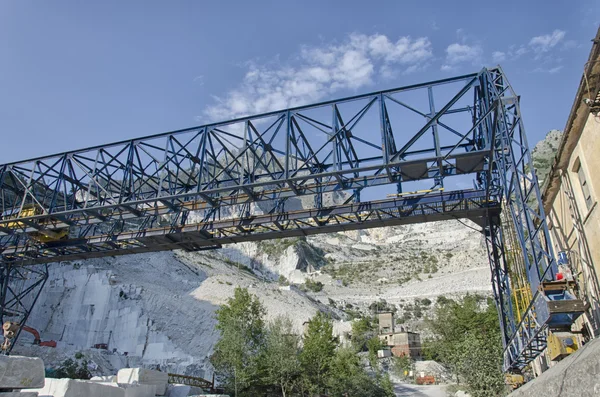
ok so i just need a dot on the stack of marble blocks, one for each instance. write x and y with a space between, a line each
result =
24 377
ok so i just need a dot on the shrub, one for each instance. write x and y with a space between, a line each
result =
72 369
467 339
401 365
314 286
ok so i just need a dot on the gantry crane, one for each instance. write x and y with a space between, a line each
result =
233 181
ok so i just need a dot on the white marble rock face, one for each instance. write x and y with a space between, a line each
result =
17 372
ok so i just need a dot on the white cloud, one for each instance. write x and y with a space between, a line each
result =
520 51
552 70
317 72
569 44
457 53
546 42
555 69
498 56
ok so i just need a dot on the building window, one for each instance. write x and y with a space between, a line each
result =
585 187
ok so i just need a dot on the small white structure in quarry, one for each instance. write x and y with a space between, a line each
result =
144 376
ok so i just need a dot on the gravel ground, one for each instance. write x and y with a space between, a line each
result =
409 390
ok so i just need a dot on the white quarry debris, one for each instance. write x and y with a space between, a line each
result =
17 372
433 368
144 376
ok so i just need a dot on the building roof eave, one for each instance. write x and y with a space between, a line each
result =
590 80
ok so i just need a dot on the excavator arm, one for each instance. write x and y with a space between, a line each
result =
10 328
33 331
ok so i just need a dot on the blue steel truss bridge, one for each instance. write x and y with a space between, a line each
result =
351 163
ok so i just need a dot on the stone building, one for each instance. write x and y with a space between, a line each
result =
401 342
571 191
386 323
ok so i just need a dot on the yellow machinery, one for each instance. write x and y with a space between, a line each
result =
43 234
560 345
25 212
514 380
520 287
46 236
417 192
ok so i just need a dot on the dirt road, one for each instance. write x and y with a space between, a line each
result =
408 390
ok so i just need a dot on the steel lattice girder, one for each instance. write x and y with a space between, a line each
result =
213 233
303 151
226 182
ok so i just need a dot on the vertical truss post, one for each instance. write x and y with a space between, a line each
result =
439 179
499 275
512 170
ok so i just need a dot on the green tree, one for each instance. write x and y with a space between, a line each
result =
467 339
363 329
373 345
400 365
480 366
236 356
317 352
281 355
347 377
386 387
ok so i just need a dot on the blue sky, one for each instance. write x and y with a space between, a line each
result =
75 74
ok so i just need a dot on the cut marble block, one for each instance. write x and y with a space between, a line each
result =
105 379
176 390
144 376
17 372
78 388
19 394
137 390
